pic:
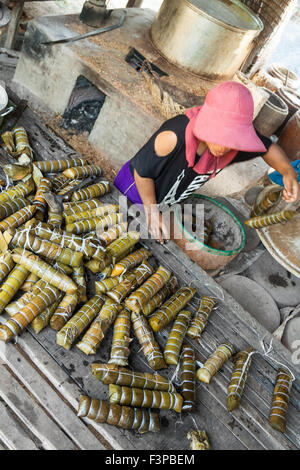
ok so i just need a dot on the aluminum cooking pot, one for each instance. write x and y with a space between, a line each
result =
4 110
211 38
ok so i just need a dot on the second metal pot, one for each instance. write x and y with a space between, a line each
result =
207 37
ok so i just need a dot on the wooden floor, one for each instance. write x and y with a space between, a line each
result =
40 382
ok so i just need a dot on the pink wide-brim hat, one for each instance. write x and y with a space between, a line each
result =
226 119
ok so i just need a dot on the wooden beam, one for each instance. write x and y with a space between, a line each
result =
59 411
12 434
34 417
13 25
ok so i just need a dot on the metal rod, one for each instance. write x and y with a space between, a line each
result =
88 35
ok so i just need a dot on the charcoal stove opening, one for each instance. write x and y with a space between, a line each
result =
83 108
136 60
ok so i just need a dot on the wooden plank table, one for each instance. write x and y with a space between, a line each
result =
67 373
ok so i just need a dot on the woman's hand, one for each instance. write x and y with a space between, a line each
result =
156 224
291 186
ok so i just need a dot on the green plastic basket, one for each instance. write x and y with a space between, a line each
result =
207 248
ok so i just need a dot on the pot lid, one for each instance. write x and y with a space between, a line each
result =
3 98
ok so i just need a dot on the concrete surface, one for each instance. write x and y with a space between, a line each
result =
235 178
255 299
280 283
42 8
49 74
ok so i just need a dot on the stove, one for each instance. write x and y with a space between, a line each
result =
112 62
116 63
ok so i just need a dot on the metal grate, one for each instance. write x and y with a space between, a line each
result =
136 60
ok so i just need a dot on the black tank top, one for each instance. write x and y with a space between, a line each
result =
174 180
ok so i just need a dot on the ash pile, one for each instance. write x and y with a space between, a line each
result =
84 107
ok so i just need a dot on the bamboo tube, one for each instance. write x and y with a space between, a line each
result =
101 287
18 218
63 268
22 142
188 378
71 184
106 273
201 318
176 337
160 297
26 315
148 289
71 208
79 322
112 374
95 247
21 190
215 362
100 211
30 282
79 277
6 265
64 311
95 334
55 166
120 247
82 171
10 207
145 398
59 182
238 379
113 233
266 203
43 319
121 416
26 239
39 201
147 341
97 266
280 400
66 240
131 261
11 285
92 191
131 282
55 220
272 219
13 307
44 271
95 224
121 339
168 311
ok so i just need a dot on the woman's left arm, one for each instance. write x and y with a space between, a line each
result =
277 159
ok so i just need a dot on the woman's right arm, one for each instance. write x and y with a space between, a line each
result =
164 144
146 189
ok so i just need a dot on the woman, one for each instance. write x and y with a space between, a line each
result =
190 149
